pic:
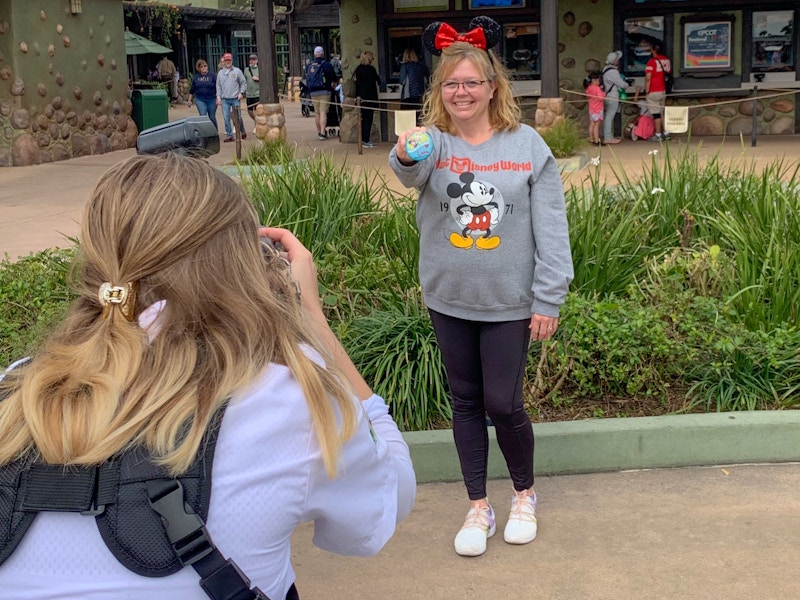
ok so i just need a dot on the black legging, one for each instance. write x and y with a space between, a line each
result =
366 119
485 365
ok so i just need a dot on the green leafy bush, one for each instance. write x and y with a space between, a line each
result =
564 138
33 295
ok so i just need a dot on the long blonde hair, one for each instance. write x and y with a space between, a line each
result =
504 112
183 232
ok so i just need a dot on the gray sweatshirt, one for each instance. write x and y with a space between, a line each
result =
494 242
230 83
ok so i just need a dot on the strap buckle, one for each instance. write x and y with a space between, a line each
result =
185 529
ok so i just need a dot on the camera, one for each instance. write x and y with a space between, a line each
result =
192 136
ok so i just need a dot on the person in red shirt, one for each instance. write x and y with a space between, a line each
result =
656 90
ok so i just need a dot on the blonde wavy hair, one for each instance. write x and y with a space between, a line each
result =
184 233
504 112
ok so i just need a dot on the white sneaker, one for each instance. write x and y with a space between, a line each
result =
521 526
478 527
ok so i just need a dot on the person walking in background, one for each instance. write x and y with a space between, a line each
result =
613 82
490 196
203 92
596 95
320 79
655 89
367 86
252 91
187 343
413 82
231 86
166 74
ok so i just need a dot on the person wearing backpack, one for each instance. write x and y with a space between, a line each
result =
188 332
655 89
613 82
320 79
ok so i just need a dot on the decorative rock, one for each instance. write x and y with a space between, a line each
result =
107 40
8 133
97 98
769 115
782 125
72 118
42 15
568 63
50 68
84 65
116 108
746 108
109 82
727 111
101 60
53 130
24 151
368 41
65 131
118 141
23 47
707 125
51 50
59 29
122 122
5 72
49 111
59 116
59 79
113 64
57 102
42 139
742 126
42 122
102 19
569 18
102 122
78 93
66 41
592 65
41 89
18 88
5 107
584 29
20 119
131 133
3 27
782 105
87 116
80 145
91 33
99 144
354 19
60 152
561 47
276 120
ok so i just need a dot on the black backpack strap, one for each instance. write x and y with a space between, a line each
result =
220 578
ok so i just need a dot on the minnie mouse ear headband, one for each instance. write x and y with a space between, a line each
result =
483 32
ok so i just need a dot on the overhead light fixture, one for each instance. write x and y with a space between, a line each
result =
75 7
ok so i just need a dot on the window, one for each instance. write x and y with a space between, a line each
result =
772 41
400 40
521 49
640 34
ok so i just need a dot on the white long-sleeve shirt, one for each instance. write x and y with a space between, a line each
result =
268 477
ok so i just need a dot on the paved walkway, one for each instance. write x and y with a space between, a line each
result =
718 533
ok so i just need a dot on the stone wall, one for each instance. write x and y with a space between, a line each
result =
63 81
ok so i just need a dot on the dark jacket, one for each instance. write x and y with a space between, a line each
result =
328 74
204 86
367 82
417 75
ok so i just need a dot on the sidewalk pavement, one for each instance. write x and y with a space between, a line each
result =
724 533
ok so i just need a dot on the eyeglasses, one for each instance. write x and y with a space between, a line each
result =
472 85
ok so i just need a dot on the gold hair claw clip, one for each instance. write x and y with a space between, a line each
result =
123 296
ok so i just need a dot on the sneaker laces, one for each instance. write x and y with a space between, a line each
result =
523 507
479 517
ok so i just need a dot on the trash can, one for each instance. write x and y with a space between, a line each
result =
150 108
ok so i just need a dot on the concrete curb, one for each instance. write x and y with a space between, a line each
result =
598 445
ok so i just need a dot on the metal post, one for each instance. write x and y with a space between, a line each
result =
753 135
358 125
238 134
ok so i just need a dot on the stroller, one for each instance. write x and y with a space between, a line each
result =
334 115
306 106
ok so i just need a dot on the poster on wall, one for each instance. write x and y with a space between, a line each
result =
473 4
420 5
707 45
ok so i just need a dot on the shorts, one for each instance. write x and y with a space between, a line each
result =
252 101
655 102
321 102
596 117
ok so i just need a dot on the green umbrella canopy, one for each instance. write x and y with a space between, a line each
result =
136 44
